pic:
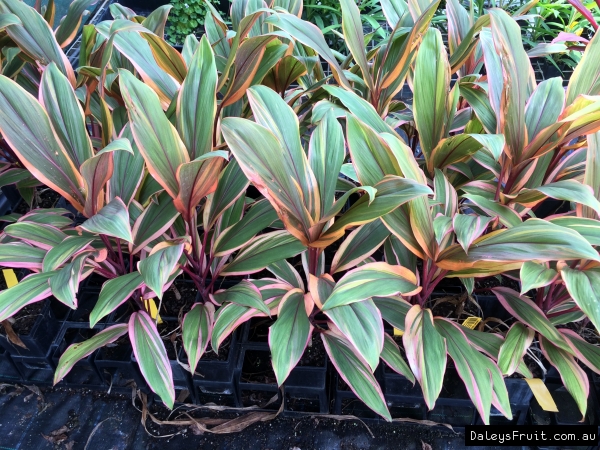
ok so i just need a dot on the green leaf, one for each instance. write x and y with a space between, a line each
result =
31 289
584 287
470 366
591 176
355 371
587 353
392 357
231 185
393 310
468 228
113 294
374 279
326 154
197 102
588 228
258 217
426 352
572 375
62 252
461 146
359 245
361 323
17 255
112 220
151 355
431 90
263 250
245 294
354 38
527 312
568 190
585 76
154 221
158 267
196 331
65 114
544 106
37 234
154 135
534 276
22 122
533 240
289 335
76 352
518 339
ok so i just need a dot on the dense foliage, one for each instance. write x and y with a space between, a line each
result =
330 205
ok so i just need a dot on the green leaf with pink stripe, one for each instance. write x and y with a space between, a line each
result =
196 331
151 355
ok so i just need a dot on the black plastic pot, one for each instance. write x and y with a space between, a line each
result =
256 385
491 307
117 367
345 402
41 335
9 199
214 380
8 371
84 373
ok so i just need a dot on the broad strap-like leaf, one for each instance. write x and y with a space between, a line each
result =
65 283
31 289
584 287
460 147
273 170
355 371
431 91
65 114
37 234
326 154
245 294
69 25
392 192
151 355
78 351
544 106
290 334
534 276
572 375
527 312
393 310
154 221
518 339
309 35
197 101
57 255
23 122
532 240
35 37
156 137
591 176
374 279
588 228
113 294
158 267
196 331
361 324
470 367
468 228
392 357
585 76
112 220
352 28
587 353
256 219
231 185
263 250
20 255
568 190
426 352
359 245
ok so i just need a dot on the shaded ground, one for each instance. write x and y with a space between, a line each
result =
67 419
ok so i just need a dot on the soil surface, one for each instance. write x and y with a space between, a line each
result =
23 321
59 419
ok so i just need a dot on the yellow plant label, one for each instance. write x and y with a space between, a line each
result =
542 394
398 332
151 308
10 277
471 322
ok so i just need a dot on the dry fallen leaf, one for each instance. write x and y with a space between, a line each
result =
12 336
426 446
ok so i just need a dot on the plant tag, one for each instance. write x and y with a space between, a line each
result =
471 322
398 332
542 394
10 277
151 308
